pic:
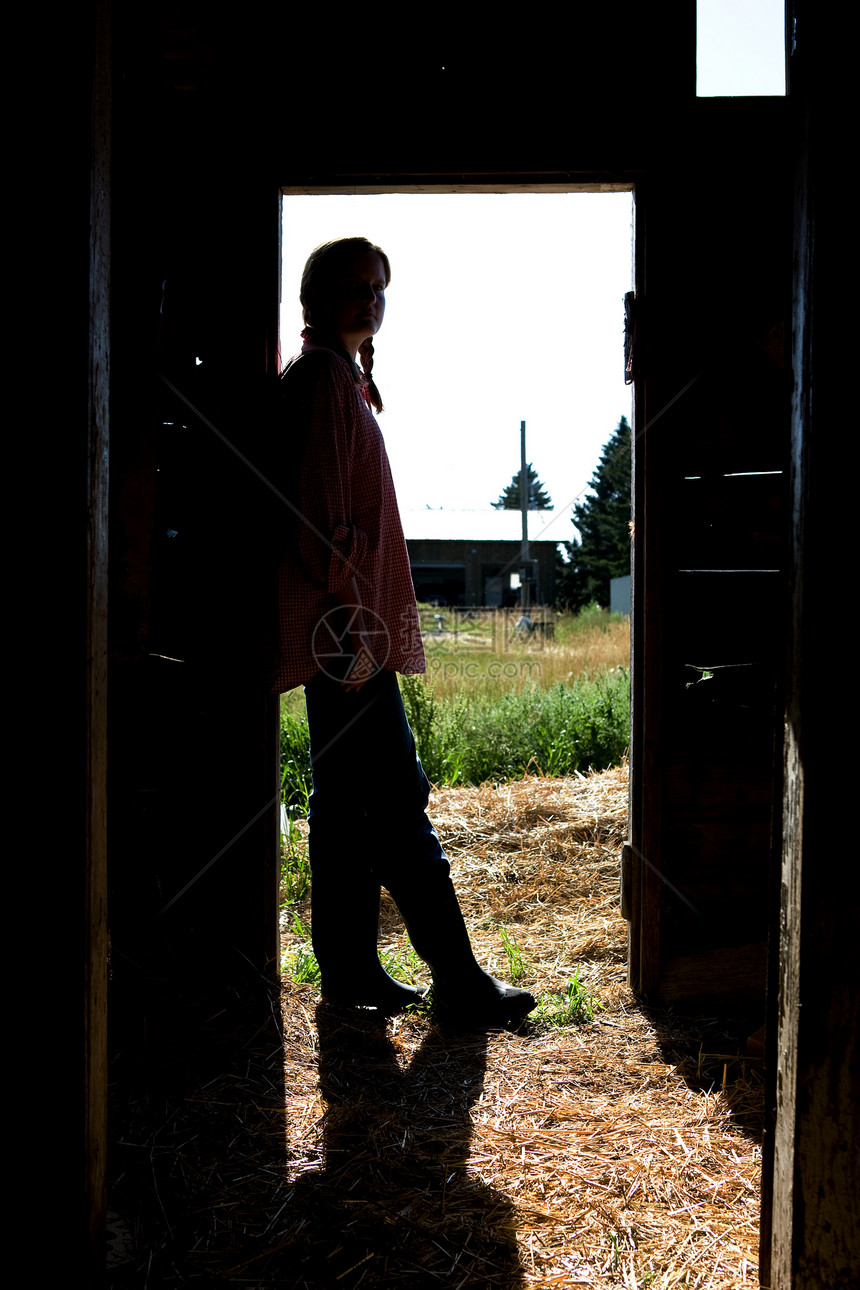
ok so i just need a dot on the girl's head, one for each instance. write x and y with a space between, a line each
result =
343 297
329 268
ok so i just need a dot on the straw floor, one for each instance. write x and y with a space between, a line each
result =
621 1152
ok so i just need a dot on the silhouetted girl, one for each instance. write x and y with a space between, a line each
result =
348 624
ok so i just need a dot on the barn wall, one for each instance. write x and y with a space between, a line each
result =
710 558
476 557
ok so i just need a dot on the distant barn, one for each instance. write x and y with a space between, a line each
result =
475 557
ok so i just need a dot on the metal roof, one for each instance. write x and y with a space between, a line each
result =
486 525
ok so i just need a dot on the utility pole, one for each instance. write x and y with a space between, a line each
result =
525 566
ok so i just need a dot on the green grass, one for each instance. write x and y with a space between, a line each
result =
494 709
295 756
514 955
302 966
295 865
573 1007
486 655
476 738
404 965
301 963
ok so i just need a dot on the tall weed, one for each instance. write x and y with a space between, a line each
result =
295 864
295 761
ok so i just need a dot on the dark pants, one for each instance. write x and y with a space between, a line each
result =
368 821
369 827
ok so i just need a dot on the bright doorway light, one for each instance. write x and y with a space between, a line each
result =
503 307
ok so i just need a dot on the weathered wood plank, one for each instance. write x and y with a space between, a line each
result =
94 907
729 978
811 1185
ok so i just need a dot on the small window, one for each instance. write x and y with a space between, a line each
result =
740 48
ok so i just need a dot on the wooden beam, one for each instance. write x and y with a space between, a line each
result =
94 911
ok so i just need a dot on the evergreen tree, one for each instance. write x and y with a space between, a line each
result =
602 550
539 498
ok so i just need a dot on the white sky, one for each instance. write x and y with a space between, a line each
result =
509 307
501 308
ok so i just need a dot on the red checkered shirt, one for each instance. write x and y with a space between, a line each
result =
343 522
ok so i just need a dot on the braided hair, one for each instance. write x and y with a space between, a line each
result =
323 266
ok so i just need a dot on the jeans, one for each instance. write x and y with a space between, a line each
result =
369 827
367 817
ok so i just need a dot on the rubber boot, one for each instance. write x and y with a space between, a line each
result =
465 997
344 932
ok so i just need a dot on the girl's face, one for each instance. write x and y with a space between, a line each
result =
354 303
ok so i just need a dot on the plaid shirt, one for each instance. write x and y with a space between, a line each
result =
343 524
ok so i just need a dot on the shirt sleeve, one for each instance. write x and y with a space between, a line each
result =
331 547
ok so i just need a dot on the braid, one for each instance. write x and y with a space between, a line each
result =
365 353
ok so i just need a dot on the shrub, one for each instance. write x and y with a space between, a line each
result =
551 732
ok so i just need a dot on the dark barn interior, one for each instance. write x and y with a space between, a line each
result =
194 119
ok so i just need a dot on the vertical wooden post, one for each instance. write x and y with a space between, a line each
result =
94 909
525 589
811 1169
